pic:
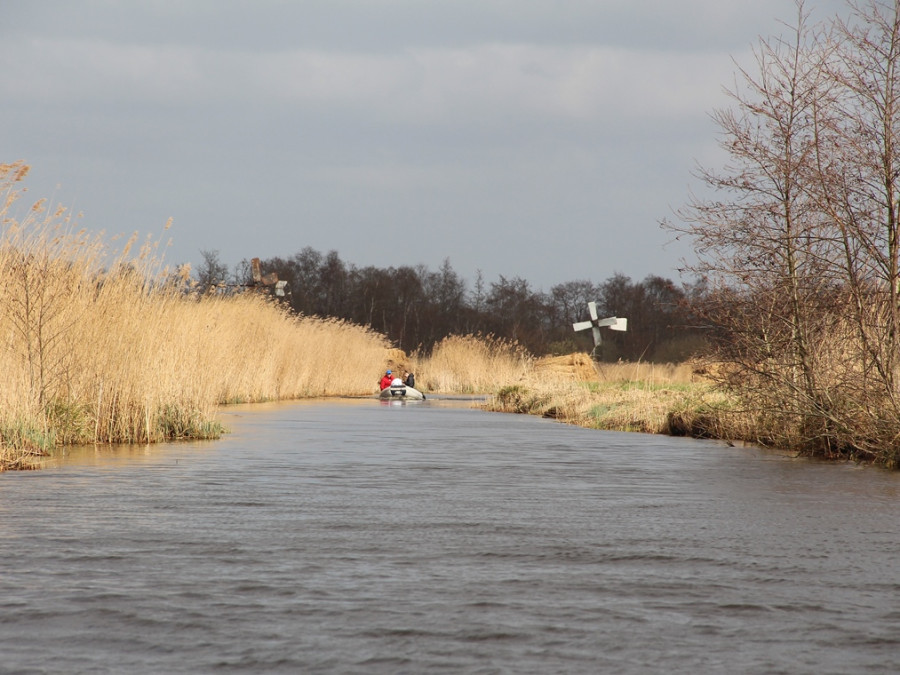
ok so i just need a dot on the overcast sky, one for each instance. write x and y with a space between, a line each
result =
542 139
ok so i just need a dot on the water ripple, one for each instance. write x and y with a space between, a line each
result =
350 537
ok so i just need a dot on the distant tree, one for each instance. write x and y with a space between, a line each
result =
212 271
407 299
569 300
666 320
518 313
334 278
306 289
416 307
444 311
370 297
475 316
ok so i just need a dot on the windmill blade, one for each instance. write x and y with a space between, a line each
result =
613 323
598 338
582 325
592 308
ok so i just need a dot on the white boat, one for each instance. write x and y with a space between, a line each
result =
402 393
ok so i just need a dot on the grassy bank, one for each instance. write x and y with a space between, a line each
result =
643 397
104 346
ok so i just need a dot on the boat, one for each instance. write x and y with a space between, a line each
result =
402 393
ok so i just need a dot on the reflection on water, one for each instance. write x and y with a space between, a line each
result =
119 454
353 536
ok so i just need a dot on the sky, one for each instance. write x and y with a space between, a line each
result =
539 139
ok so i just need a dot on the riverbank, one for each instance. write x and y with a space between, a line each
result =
668 399
672 399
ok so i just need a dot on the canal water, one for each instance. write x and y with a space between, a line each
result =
357 536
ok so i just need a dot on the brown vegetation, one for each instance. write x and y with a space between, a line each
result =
472 364
649 398
801 243
107 348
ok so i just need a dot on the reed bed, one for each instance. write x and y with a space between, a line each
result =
642 397
648 374
471 364
100 346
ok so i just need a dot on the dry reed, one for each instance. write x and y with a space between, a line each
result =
470 364
103 346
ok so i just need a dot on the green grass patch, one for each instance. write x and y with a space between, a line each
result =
174 422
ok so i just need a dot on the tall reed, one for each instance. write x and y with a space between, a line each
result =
99 345
472 364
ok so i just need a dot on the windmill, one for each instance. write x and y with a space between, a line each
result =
595 324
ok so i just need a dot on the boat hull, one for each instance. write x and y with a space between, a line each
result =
402 394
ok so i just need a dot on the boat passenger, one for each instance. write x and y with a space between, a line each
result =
386 380
409 380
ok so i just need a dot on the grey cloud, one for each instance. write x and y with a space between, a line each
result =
525 138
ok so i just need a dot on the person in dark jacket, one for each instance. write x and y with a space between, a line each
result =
409 380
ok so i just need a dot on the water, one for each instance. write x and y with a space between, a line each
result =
362 537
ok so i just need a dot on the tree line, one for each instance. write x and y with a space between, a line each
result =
416 307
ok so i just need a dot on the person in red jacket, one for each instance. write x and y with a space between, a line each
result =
386 380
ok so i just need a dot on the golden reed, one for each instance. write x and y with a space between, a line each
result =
471 364
103 347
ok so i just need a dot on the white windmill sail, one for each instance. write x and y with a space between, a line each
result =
595 324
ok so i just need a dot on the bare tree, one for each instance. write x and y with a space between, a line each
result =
858 173
803 249
765 246
212 272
